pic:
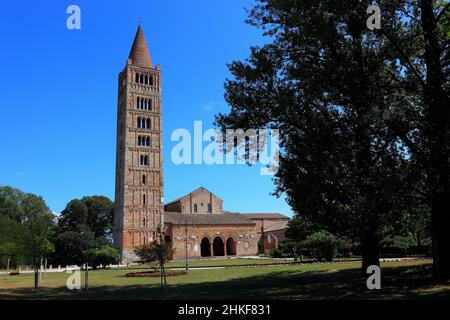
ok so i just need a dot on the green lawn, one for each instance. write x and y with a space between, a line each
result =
409 280
227 262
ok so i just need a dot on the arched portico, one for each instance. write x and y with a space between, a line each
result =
205 247
231 247
218 247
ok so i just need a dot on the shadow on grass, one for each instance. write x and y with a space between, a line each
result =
411 282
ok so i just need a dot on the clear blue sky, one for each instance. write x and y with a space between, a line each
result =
59 92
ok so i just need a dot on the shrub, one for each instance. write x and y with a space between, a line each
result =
397 245
102 256
344 248
275 253
323 245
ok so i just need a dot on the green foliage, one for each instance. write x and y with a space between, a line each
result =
299 227
400 242
323 244
275 253
12 234
26 227
159 251
84 224
11 204
349 109
104 256
71 244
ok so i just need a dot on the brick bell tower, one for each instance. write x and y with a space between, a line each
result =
139 174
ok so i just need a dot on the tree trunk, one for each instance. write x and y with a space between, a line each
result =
161 273
36 279
164 273
441 238
86 277
437 131
7 265
370 251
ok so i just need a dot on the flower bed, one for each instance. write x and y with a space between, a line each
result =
155 274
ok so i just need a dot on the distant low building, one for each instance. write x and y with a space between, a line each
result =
271 228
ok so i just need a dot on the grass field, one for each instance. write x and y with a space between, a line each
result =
227 262
400 280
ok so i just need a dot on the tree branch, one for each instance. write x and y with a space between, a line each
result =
404 56
442 12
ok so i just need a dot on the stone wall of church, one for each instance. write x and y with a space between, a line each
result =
244 240
201 199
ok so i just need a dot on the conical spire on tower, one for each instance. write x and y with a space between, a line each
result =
139 54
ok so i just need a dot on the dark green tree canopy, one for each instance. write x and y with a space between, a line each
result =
349 104
85 224
26 227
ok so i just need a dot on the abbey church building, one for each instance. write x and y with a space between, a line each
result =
196 224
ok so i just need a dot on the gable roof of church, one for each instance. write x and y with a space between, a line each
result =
139 54
178 218
179 198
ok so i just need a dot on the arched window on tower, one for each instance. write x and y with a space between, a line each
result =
143 199
139 122
146 79
209 208
137 103
137 77
141 79
143 223
151 80
143 160
195 208
139 140
147 141
148 124
150 105
144 178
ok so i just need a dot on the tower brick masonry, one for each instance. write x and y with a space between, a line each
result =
139 184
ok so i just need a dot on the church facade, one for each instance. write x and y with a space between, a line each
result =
196 224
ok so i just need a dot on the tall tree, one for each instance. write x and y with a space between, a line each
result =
324 83
418 32
436 129
83 225
26 226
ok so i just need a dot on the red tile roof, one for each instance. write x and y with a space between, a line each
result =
277 226
139 54
178 218
257 216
